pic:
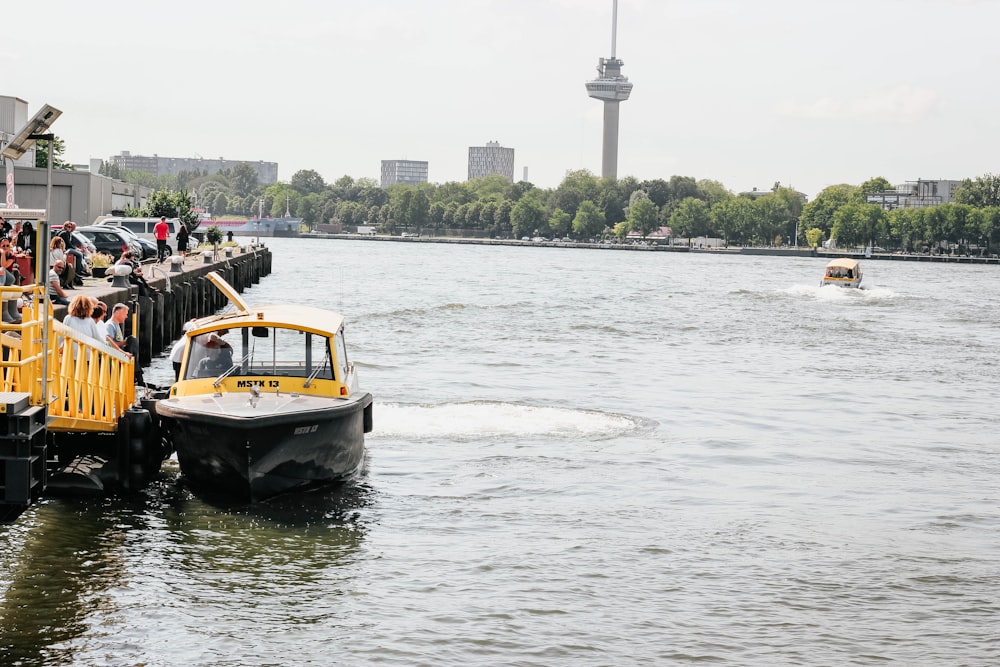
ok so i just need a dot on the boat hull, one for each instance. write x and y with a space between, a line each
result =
226 448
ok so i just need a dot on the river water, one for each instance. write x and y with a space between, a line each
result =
580 457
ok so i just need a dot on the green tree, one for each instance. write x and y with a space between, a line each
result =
58 148
857 224
172 205
560 222
501 219
691 218
819 212
980 192
527 216
243 180
713 192
307 181
906 228
576 187
281 197
990 226
643 216
871 186
621 230
814 236
220 203
735 219
418 213
589 221
487 187
487 215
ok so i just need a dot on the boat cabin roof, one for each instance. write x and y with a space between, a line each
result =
842 263
304 318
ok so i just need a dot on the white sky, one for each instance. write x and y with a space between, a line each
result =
809 92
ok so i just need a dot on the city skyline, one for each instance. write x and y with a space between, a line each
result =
747 95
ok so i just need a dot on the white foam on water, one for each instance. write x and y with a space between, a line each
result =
490 420
835 293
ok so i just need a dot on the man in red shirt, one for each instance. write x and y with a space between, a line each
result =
161 231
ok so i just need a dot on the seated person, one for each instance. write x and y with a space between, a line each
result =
56 293
211 355
135 277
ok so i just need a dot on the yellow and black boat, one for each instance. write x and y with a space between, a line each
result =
266 401
843 272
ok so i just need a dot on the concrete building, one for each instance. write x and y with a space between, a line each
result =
916 194
611 88
76 195
14 116
267 172
403 171
491 159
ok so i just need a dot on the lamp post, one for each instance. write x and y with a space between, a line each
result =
34 130
260 214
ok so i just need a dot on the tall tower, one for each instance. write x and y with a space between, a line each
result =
611 88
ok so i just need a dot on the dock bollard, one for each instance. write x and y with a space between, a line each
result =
229 252
176 264
207 256
122 272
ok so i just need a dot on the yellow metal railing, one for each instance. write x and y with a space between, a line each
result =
89 383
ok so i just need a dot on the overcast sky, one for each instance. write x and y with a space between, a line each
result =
808 93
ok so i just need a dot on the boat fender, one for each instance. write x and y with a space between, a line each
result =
140 447
368 419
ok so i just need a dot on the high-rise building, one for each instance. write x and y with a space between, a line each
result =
403 171
611 88
267 172
491 159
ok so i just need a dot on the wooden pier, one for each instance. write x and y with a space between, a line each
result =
70 419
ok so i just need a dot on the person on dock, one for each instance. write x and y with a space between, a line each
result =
8 277
78 318
182 239
136 277
161 231
116 336
56 293
57 253
100 310
79 262
26 239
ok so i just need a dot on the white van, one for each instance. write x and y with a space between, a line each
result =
143 227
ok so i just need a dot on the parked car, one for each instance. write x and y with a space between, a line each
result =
111 240
80 241
148 247
140 228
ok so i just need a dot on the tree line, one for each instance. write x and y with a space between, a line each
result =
585 206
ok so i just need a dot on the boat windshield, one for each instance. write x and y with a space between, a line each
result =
261 351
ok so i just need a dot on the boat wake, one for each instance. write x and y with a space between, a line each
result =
490 420
835 293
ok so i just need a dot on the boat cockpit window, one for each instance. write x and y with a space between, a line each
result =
266 351
341 352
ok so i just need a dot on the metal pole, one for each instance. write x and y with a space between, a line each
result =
614 26
42 269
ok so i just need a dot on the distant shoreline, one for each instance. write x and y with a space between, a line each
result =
773 252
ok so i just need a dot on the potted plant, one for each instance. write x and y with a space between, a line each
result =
99 263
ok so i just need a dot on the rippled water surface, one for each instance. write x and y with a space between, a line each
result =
580 457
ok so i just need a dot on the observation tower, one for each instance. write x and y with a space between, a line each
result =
611 88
